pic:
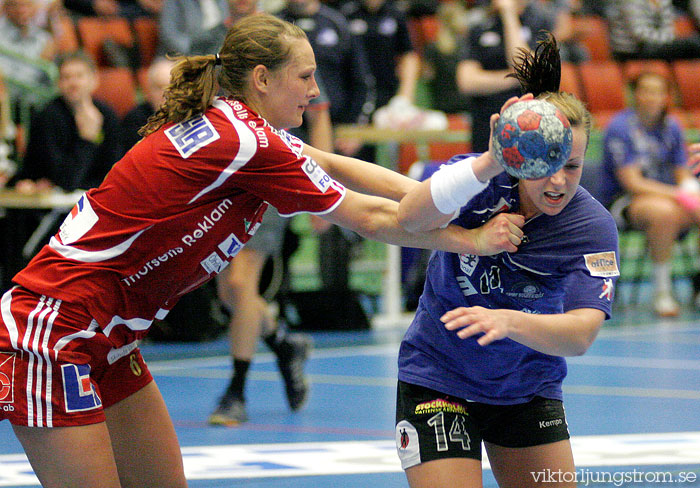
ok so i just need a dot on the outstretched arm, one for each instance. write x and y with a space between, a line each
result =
375 218
362 176
564 334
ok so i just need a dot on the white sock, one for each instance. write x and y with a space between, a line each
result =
662 277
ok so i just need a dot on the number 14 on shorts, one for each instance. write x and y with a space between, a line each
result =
458 431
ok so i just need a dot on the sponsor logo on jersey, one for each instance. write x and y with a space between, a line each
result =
260 134
239 110
78 391
78 222
7 376
213 263
151 265
316 174
467 263
602 264
230 246
207 223
251 228
607 291
292 142
191 135
525 291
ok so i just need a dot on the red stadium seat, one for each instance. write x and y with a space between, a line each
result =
117 88
594 36
146 31
94 31
603 88
571 80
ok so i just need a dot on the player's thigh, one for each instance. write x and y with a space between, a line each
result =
524 439
145 445
70 457
546 465
242 276
437 439
453 472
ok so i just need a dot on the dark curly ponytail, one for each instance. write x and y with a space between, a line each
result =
539 73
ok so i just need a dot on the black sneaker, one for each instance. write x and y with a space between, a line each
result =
290 360
696 290
230 412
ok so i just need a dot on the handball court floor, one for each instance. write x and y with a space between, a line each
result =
633 405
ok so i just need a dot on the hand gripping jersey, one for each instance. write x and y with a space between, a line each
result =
172 213
566 261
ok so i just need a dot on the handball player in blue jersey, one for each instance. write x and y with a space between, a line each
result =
483 359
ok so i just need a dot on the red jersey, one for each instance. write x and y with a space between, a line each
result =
172 213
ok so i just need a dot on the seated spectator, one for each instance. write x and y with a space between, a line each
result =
26 55
73 143
646 183
644 29
74 140
7 134
192 26
157 80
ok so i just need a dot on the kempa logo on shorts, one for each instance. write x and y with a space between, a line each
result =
7 377
550 423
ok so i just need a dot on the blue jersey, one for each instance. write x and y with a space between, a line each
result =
566 261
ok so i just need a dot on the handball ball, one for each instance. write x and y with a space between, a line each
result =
532 139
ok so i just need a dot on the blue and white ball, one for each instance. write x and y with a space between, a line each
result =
532 139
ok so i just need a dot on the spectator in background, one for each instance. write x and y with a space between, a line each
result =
351 90
74 140
26 55
564 30
73 143
239 287
440 58
493 40
7 136
383 31
646 183
190 27
644 29
157 80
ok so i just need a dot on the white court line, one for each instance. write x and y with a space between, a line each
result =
197 368
364 457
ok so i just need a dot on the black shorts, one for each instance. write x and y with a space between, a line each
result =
432 425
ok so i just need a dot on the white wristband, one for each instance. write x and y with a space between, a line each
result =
691 185
453 185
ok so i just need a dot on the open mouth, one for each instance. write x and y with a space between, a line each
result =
553 197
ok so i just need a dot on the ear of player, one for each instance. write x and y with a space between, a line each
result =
532 139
